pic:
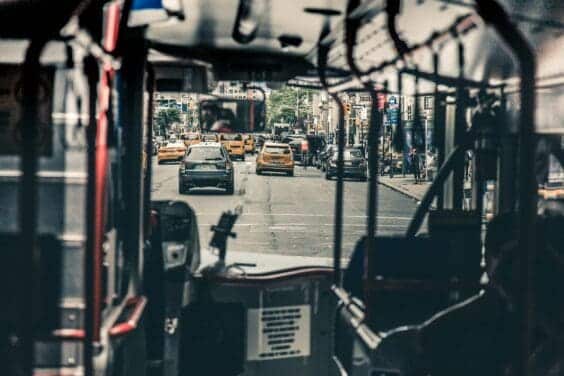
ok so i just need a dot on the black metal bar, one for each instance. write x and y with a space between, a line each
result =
459 130
462 25
393 10
131 121
439 129
399 128
416 125
338 227
495 15
27 201
150 88
92 75
123 28
351 30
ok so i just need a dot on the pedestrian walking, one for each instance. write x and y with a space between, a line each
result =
415 165
305 153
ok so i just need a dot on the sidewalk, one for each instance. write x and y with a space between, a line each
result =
405 186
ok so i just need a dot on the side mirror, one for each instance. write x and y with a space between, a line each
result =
175 229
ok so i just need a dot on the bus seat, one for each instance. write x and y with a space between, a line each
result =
479 336
415 278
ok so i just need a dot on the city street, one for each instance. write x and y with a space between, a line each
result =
286 215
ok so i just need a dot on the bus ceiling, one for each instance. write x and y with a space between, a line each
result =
207 34
464 45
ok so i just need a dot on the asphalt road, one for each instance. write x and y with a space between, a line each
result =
286 215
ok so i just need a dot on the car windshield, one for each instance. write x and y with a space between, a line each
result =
273 149
232 137
191 137
174 145
204 153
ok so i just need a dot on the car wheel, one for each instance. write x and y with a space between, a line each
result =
259 172
291 173
160 162
229 189
327 176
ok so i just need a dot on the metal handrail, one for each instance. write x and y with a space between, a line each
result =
28 197
493 13
322 54
351 30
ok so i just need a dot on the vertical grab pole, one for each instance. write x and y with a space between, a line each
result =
351 30
27 200
150 87
459 130
91 71
323 52
494 14
399 128
438 129
339 192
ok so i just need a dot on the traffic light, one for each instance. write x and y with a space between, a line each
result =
347 108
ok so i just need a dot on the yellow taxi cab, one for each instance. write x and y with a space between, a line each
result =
249 144
172 151
233 143
191 139
275 158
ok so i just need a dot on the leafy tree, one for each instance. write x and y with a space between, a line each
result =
165 118
283 105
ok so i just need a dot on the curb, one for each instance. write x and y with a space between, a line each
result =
400 190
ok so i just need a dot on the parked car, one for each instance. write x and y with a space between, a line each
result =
354 165
275 157
206 164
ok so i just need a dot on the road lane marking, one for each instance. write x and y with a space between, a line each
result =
300 225
309 215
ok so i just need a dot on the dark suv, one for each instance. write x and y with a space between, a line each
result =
354 164
206 165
